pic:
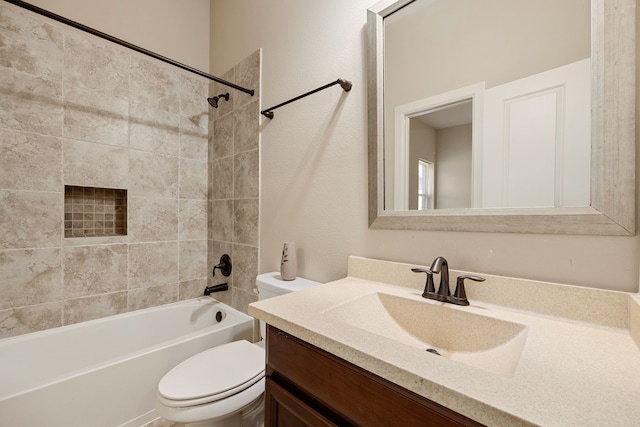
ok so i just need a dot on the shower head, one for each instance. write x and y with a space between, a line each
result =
214 101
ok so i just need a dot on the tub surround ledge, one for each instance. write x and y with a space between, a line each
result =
580 364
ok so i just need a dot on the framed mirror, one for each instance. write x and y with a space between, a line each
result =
468 154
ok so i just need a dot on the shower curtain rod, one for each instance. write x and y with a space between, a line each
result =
345 84
112 39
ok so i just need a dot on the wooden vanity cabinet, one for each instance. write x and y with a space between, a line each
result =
307 386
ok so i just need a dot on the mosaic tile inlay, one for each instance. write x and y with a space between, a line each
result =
92 212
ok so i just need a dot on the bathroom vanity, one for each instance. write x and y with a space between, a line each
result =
309 386
362 351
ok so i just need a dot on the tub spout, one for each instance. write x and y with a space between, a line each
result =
215 288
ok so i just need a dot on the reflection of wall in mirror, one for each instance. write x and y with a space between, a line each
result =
436 46
453 167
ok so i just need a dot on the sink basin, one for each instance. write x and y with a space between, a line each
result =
484 342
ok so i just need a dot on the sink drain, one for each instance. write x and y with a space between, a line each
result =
434 351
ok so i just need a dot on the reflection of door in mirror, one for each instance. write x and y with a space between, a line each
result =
526 66
443 138
536 142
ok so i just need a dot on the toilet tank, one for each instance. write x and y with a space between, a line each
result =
271 285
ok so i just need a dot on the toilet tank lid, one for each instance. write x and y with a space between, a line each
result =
273 281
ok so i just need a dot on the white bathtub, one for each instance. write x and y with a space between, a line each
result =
105 372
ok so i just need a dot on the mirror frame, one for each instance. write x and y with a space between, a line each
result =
613 143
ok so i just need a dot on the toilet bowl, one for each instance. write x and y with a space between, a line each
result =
223 386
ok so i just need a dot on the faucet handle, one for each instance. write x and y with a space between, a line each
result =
429 287
459 297
224 266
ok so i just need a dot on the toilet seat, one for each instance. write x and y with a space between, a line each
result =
213 375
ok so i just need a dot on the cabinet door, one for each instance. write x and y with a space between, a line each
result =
283 409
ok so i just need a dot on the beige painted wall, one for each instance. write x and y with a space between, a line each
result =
314 159
176 29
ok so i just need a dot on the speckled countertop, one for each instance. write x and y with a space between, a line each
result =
580 364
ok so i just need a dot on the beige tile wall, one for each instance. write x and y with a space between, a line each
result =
77 110
234 186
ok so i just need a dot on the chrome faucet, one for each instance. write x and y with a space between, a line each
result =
441 266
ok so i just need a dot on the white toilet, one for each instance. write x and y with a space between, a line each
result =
223 386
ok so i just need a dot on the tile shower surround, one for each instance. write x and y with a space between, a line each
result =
79 111
234 165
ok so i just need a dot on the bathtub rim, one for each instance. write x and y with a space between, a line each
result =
238 316
194 301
